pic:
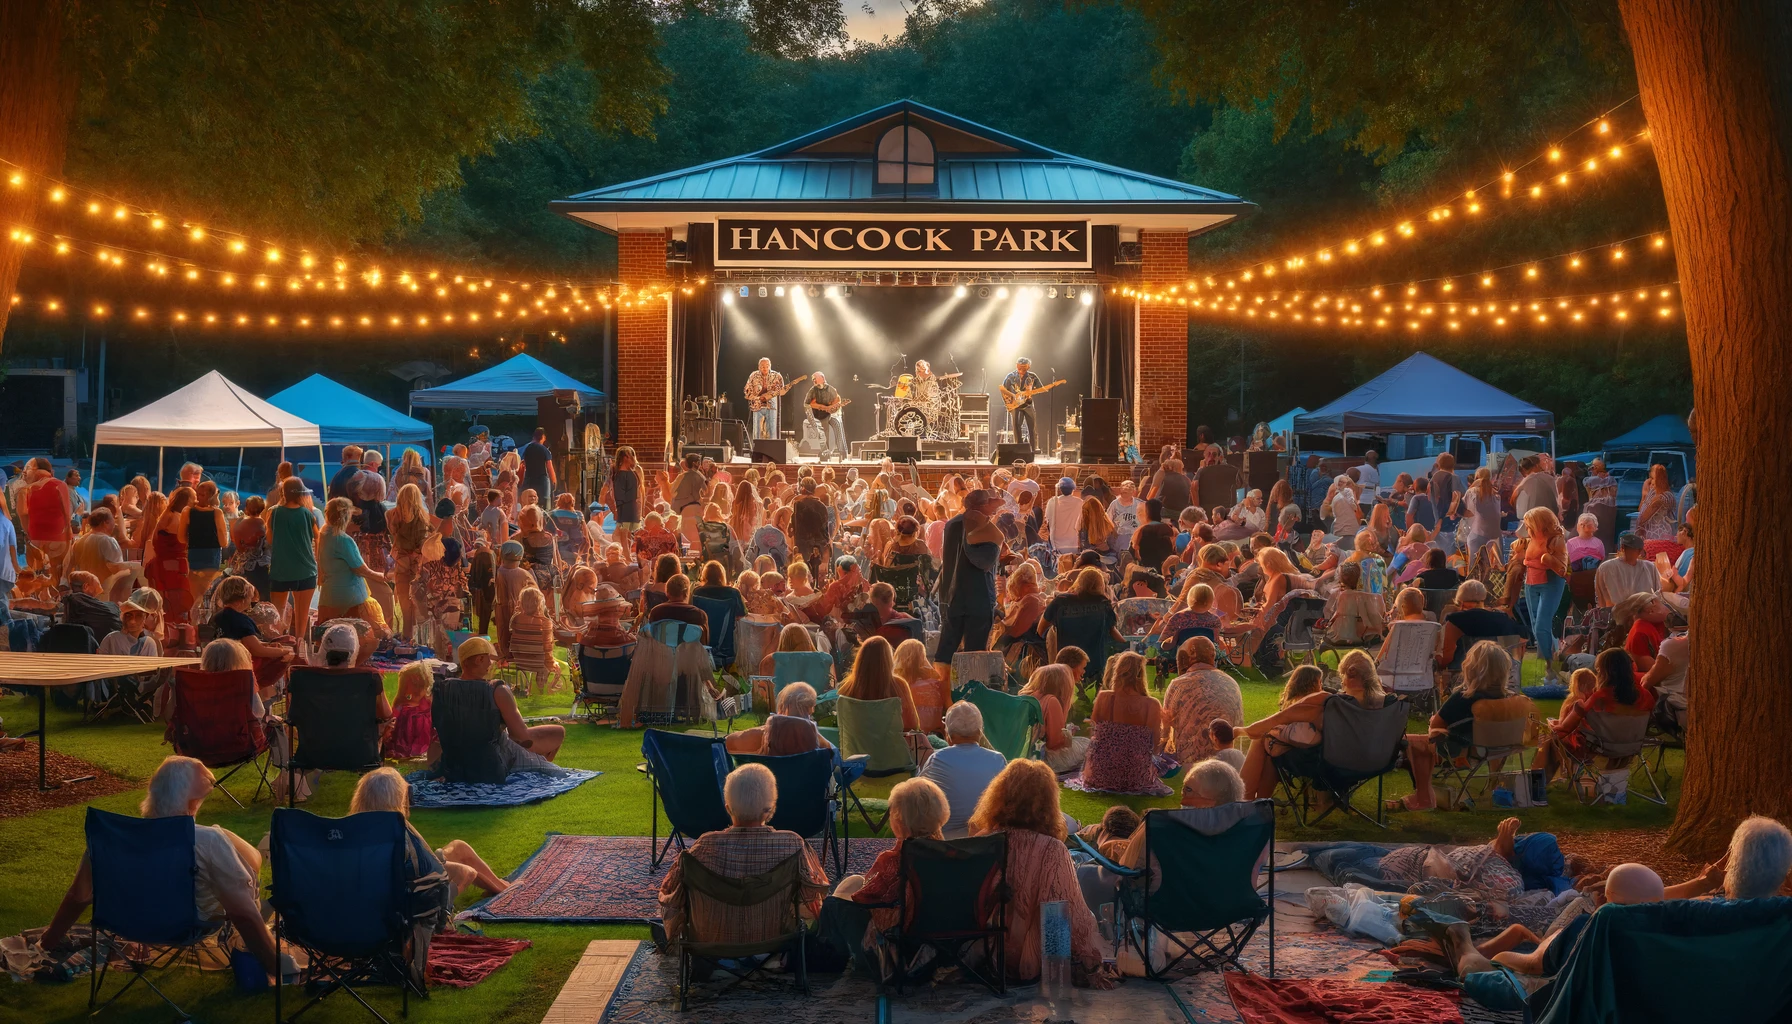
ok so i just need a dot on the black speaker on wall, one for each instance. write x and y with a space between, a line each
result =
1101 430
902 448
773 449
1007 453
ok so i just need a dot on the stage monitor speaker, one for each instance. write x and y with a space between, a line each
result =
1009 452
1260 471
902 448
722 453
773 449
1101 430
734 432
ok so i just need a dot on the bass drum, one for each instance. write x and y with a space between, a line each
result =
910 422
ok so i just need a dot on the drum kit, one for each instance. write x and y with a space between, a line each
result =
917 406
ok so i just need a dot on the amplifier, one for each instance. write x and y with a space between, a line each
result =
722 453
773 449
902 448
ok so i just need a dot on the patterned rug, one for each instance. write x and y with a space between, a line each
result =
648 994
606 879
521 788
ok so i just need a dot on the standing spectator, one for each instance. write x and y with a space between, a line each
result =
538 468
1655 513
1085 619
342 575
9 567
1420 509
623 494
1155 540
966 586
1216 482
1310 485
1536 490
1368 474
1480 509
292 569
1172 488
811 523
351 464
1545 577
1445 489
1347 514
412 471
78 501
167 569
1602 488
49 514
202 523
1124 512
409 524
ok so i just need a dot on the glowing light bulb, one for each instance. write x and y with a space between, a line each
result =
1554 155
57 194
196 234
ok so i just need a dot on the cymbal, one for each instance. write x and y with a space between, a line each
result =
948 376
881 387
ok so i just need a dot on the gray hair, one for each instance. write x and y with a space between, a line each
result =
171 787
1587 517
1216 781
1290 513
381 790
370 486
796 700
964 721
1471 590
1230 755
751 792
1760 858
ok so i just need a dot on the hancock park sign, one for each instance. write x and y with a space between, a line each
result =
943 244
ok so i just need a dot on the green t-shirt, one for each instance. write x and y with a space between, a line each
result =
339 586
293 530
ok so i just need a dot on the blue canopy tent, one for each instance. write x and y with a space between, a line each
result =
345 416
1664 431
509 387
1285 423
1425 395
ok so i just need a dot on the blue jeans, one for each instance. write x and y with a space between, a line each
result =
1541 600
765 422
835 429
5 604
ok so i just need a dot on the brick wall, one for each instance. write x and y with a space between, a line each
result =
643 349
1162 364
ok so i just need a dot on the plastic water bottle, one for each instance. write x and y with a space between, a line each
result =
1054 957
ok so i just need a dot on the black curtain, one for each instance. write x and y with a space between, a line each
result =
694 319
1116 335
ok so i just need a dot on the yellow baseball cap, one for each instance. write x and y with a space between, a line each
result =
474 646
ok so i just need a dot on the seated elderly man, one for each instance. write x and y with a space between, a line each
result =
86 605
1755 867
791 730
1209 783
748 846
1618 578
964 768
227 866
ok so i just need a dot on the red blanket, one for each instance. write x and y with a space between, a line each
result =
1289 1001
462 961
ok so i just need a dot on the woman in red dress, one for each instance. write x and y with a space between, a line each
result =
165 562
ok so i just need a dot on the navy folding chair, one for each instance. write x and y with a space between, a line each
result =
345 891
686 773
334 718
808 803
721 628
603 673
143 872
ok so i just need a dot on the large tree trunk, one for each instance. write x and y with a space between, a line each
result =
36 98
1716 79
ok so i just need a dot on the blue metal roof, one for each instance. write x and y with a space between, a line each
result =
1004 173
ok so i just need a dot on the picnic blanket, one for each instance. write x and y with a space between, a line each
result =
462 961
520 788
1261 1000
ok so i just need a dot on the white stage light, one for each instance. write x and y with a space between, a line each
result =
727 298
779 291
796 292
831 292
961 291
1087 298
1002 292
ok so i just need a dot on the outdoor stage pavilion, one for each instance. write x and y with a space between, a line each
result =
901 234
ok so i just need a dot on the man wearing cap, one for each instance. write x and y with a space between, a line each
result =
1618 578
966 586
480 734
1022 419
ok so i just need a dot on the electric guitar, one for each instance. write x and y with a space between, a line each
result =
785 390
824 410
1015 399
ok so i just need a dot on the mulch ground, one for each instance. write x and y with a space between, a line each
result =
1639 845
18 782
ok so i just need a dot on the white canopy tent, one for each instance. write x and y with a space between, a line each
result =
211 412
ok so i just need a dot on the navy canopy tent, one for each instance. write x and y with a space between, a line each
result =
509 387
1423 395
1665 431
345 416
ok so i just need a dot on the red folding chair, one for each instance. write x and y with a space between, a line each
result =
213 722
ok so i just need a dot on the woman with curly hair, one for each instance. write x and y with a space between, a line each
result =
1022 803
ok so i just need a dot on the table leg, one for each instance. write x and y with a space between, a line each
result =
43 785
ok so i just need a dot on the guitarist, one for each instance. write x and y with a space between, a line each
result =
764 387
824 404
1023 418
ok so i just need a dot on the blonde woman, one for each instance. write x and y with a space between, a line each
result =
1545 577
1485 672
1361 684
412 471
924 685
342 575
386 790
1481 511
1055 689
1095 531
1126 723
409 525
206 532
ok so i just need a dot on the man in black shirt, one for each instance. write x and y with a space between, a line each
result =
1216 482
1437 574
809 529
966 587
824 404
538 469
1155 540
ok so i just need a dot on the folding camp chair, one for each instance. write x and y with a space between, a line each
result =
71 638
1008 719
143 872
721 629
872 730
211 719
1732 962
1514 647
1356 744
1437 600
1299 641
1410 666
349 892
603 671
669 665
808 801
1198 896
1499 729
334 719
1358 621
686 774
1612 736
812 667
782 885
953 896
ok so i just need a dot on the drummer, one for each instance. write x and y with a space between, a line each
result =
927 386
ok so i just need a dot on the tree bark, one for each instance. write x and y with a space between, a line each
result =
36 100
1716 83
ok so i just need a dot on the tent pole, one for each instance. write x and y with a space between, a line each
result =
159 468
93 474
323 473
1552 446
238 484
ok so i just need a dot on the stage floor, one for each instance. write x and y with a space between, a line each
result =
933 471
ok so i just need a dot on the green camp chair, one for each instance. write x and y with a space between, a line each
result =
953 897
1008 719
1678 961
872 729
1205 907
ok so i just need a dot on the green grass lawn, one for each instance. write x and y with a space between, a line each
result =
38 855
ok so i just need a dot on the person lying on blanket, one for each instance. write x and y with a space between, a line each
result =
1501 870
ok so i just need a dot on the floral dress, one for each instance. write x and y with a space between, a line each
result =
1119 760
1192 702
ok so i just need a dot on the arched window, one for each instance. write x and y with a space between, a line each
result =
905 157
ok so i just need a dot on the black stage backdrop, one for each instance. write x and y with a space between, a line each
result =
868 336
